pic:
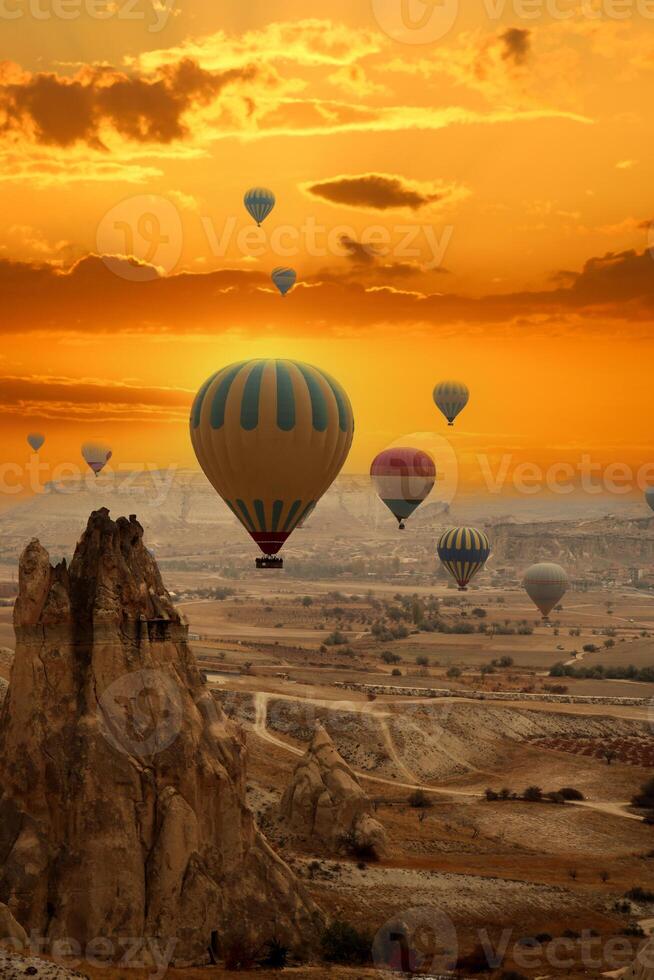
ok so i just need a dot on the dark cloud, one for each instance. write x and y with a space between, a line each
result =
615 287
359 252
57 110
517 45
68 398
378 191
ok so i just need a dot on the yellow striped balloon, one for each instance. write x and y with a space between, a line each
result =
271 436
463 551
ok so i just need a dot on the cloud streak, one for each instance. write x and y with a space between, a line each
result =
616 288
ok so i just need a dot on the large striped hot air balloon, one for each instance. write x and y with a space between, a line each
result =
463 551
403 478
649 496
451 397
36 440
284 279
97 455
545 583
259 202
271 436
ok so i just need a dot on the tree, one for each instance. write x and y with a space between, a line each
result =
646 796
454 672
307 601
342 943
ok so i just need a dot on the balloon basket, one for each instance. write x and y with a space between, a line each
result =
269 561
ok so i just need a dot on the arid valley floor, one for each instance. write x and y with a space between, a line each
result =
557 886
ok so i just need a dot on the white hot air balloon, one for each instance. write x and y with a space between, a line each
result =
97 455
546 583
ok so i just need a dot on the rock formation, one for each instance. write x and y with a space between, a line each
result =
123 811
325 800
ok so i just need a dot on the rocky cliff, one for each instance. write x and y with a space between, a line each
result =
325 800
123 783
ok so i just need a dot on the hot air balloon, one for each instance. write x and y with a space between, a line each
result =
403 478
284 279
97 455
451 397
305 517
36 440
259 202
649 496
545 584
463 551
271 436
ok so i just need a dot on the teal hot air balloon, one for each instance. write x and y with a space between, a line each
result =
451 397
649 496
284 279
463 551
36 440
545 583
259 202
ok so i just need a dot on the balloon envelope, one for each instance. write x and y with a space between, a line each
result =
545 583
403 478
271 436
649 496
259 202
463 551
97 455
284 279
451 397
36 440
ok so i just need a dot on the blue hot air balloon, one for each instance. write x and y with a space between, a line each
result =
463 551
35 440
259 202
284 279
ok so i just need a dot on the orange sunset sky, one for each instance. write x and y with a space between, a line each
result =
474 205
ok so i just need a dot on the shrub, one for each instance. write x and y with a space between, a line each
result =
419 799
335 639
454 672
570 793
275 955
342 943
533 794
639 894
396 672
646 796
474 962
